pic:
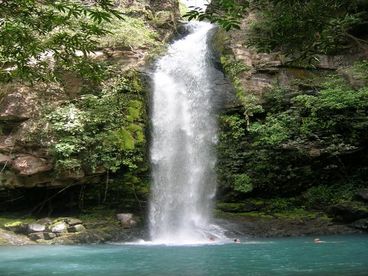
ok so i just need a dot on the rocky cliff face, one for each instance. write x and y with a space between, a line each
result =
262 71
289 174
27 158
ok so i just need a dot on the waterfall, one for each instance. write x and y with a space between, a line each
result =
184 133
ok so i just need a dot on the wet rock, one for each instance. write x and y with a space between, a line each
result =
59 227
127 220
28 165
76 228
36 236
35 227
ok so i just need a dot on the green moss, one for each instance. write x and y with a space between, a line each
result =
129 33
99 216
230 207
219 41
297 214
13 224
234 70
13 221
162 18
229 215
360 70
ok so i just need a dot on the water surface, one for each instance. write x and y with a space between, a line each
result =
340 255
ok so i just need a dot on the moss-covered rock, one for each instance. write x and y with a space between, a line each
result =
16 226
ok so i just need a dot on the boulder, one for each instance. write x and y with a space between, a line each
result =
76 228
127 220
35 227
59 227
36 236
348 212
16 227
27 165
16 106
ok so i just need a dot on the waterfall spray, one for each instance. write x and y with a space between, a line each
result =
184 133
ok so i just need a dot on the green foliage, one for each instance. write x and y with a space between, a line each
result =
230 148
322 196
243 183
128 33
360 70
302 141
300 29
226 13
85 135
233 69
40 36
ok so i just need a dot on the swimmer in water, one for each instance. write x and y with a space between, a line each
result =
317 240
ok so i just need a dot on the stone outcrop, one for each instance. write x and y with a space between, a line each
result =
348 212
265 227
10 238
25 159
70 230
18 105
265 70
127 220
36 227
26 165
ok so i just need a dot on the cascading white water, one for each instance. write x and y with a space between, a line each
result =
183 137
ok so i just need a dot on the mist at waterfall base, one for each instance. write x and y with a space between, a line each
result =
184 133
340 255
